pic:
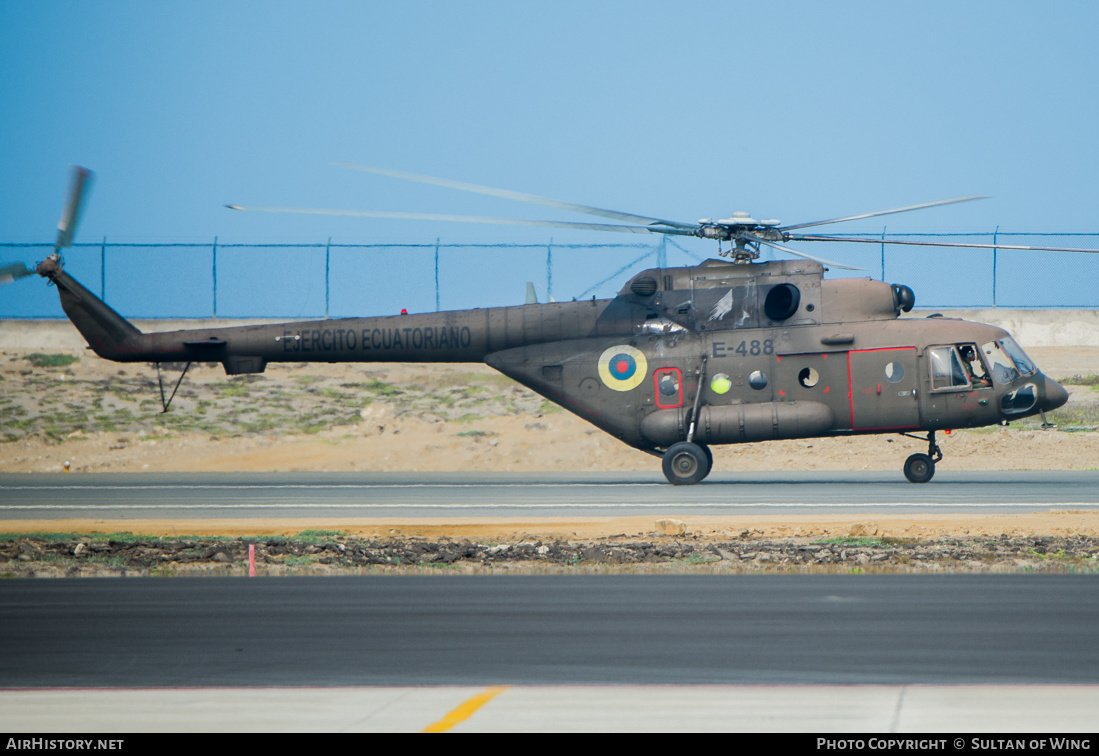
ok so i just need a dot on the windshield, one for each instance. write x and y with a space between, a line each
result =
1003 369
1018 355
1007 360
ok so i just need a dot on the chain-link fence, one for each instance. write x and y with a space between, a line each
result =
344 280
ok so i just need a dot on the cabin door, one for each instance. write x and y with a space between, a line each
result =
883 389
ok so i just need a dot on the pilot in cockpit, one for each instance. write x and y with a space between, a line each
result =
978 377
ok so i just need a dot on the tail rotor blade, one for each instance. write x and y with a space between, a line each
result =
12 271
66 228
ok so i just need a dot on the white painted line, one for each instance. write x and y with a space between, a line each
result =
1056 506
310 486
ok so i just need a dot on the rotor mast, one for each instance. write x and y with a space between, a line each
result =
745 233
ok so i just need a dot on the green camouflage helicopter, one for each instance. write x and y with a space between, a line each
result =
726 352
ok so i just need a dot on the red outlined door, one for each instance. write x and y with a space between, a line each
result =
883 389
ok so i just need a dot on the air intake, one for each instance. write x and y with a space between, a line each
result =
782 301
903 298
644 287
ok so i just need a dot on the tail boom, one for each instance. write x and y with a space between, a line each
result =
455 336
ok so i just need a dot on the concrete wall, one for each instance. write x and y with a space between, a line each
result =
1031 328
1035 328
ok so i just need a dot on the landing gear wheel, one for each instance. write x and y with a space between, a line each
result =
709 459
685 463
919 468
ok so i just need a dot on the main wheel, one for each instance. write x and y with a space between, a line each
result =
685 464
919 468
709 459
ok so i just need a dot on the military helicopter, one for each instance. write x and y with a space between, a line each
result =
729 351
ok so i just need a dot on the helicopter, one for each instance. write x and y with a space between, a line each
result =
733 350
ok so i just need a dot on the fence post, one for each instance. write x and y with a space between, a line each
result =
549 269
215 268
883 253
327 257
436 274
995 234
103 270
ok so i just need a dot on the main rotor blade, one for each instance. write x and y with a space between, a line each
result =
517 196
13 271
78 187
886 212
821 260
800 237
469 219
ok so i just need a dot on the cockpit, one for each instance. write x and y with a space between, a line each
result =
1000 364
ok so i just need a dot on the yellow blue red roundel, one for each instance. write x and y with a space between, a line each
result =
622 367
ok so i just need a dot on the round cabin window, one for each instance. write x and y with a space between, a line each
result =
894 372
720 384
808 377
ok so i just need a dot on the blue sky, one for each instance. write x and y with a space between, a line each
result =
789 110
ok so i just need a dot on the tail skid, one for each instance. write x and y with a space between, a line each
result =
113 337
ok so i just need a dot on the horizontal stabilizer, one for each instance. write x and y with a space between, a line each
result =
212 344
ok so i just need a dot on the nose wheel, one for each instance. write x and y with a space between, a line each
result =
687 463
920 468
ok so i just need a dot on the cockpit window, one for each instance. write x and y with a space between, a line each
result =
1024 363
974 366
1019 400
946 369
1003 368
1008 360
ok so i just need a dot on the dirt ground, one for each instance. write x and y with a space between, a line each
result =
93 415
508 427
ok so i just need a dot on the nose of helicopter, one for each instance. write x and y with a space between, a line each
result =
1056 396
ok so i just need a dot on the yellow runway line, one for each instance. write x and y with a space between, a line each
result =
466 709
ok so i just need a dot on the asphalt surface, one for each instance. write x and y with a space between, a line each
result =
538 630
861 653
214 495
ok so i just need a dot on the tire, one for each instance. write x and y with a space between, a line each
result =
709 459
919 468
685 464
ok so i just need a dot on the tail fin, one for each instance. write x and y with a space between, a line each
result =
107 332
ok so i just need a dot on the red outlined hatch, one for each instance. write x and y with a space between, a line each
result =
882 388
668 387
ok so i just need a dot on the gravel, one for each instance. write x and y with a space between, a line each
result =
77 556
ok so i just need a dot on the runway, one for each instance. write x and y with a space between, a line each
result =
826 653
549 630
782 653
474 494
880 712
